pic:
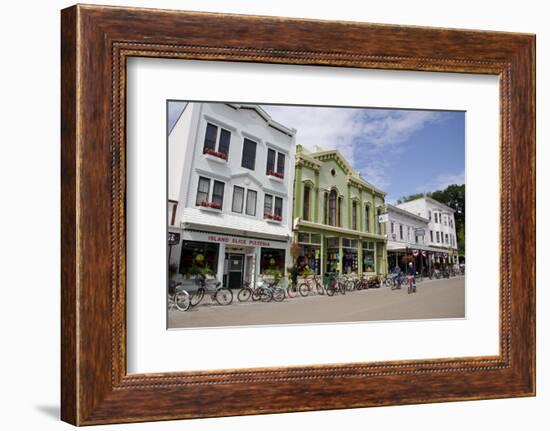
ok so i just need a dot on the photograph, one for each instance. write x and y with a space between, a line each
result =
299 214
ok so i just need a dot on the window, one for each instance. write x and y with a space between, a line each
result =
275 163
451 223
401 232
431 236
217 194
279 207
210 137
281 163
378 224
429 215
367 218
273 207
271 155
325 208
332 202
339 220
354 215
268 205
214 144
203 192
437 237
435 218
225 137
392 227
307 195
251 202
409 233
249 154
238 199
446 238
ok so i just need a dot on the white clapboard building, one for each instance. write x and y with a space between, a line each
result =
441 231
230 177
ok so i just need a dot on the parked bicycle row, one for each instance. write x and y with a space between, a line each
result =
267 289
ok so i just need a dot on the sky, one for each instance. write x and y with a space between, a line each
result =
399 151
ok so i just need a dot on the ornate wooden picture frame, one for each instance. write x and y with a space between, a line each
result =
96 42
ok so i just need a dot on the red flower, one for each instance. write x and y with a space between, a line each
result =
215 153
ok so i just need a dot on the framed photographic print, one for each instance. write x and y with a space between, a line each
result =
267 215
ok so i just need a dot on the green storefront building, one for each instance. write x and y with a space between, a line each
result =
336 213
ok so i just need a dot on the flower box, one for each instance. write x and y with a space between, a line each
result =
273 217
278 176
215 155
210 205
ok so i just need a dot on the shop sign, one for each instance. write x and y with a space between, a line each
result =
383 218
236 241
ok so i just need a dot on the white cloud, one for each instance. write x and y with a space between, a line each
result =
320 127
389 127
361 135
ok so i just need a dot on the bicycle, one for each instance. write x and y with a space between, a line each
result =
310 285
178 297
222 295
335 285
412 284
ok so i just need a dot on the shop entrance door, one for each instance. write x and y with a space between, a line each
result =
236 268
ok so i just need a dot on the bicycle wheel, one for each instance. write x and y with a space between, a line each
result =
330 290
265 294
182 301
278 294
196 297
224 296
292 291
349 285
342 288
244 294
303 289
319 288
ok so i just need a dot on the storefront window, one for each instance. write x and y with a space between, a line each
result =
309 260
199 258
333 255
368 256
350 257
272 262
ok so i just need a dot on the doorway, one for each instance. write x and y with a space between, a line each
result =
235 270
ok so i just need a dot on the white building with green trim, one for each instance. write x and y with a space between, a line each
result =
336 221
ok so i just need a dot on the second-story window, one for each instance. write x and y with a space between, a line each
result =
203 193
216 144
249 154
437 237
238 199
367 218
275 163
217 194
429 215
378 224
339 221
273 207
307 194
431 236
251 196
354 215
332 204
435 218
401 232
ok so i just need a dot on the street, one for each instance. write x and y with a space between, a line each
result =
444 298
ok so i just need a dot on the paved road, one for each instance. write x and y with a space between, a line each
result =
433 299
